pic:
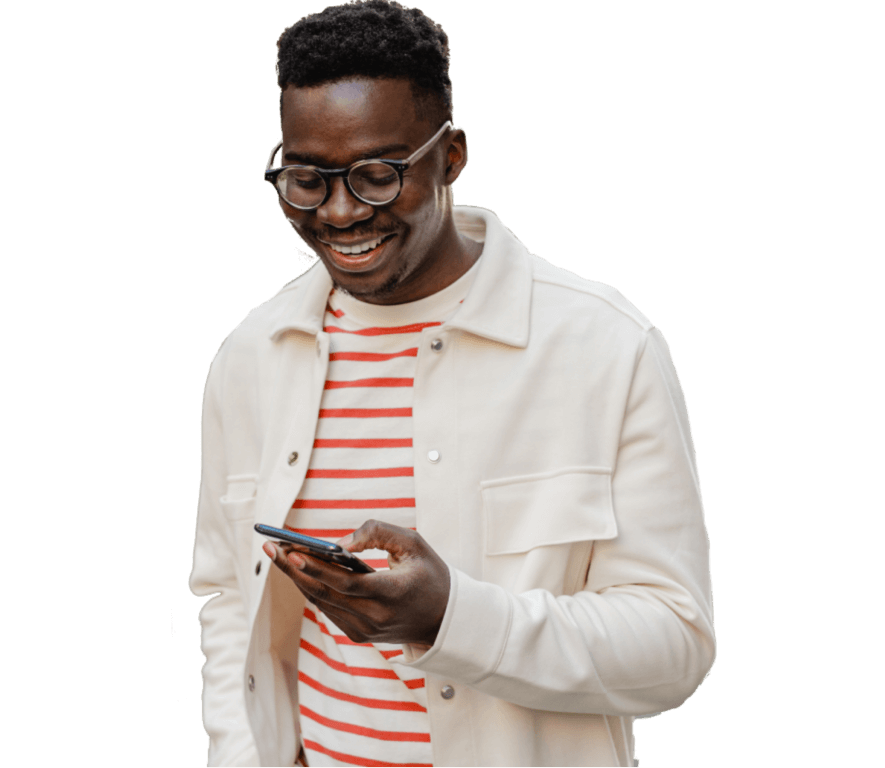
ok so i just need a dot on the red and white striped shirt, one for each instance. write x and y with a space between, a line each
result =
355 707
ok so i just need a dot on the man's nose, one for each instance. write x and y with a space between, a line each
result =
342 209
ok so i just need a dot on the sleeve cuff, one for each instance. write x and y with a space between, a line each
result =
472 635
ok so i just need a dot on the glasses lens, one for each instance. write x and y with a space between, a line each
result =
302 187
375 183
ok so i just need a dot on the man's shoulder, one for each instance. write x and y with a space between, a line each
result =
565 288
256 330
265 317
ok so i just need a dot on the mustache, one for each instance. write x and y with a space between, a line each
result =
354 233
357 233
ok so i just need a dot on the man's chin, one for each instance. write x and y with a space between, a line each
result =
369 294
376 295
365 290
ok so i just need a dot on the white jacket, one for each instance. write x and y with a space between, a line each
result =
565 503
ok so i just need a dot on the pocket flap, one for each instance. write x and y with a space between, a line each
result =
240 487
558 507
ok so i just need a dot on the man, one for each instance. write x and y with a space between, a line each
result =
504 443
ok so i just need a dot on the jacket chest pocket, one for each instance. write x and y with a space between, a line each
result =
238 507
539 529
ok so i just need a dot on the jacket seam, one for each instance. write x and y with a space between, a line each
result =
686 439
501 651
590 292
639 353
589 469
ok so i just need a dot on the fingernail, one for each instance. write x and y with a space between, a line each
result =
297 561
270 550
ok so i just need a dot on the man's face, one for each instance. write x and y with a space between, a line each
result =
337 124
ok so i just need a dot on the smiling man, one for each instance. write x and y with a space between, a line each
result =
385 232
503 443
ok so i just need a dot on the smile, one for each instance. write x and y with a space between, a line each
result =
348 250
358 257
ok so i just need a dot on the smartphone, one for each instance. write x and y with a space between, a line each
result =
318 548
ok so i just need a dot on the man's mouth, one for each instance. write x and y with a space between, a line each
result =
349 250
359 254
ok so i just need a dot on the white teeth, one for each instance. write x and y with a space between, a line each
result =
351 249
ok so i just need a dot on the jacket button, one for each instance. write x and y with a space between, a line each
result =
293 457
447 692
252 684
257 567
433 456
436 345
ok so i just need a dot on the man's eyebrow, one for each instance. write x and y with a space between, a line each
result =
371 154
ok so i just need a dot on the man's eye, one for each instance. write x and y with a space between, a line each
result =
382 181
303 179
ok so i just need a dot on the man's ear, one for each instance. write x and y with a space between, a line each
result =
456 155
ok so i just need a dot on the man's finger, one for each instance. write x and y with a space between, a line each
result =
351 624
334 576
293 565
401 543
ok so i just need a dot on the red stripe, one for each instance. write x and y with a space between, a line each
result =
354 760
413 328
339 639
336 312
376 564
403 706
363 413
378 442
327 533
360 730
385 472
378 382
370 357
386 674
352 503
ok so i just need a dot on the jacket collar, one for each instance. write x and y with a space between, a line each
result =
497 306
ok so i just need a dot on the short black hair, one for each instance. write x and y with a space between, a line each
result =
370 38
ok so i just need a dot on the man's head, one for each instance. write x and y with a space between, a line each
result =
370 80
376 39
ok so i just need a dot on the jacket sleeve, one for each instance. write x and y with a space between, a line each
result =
638 639
225 634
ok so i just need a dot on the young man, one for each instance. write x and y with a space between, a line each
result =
504 443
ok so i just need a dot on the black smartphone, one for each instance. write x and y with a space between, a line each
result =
318 548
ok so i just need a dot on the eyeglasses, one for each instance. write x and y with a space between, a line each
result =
375 182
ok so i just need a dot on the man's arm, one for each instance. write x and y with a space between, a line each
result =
225 634
637 639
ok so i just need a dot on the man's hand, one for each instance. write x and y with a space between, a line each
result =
403 605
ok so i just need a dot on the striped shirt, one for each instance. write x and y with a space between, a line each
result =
355 707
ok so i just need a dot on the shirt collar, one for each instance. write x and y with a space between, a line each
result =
497 306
